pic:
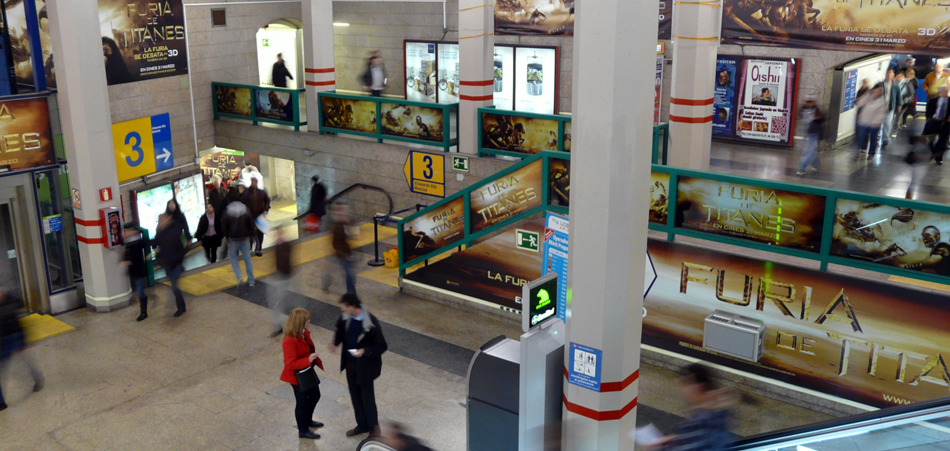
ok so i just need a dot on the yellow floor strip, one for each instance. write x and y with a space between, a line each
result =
383 275
222 277
920 283
40 327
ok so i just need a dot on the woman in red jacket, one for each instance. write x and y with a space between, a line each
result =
299 354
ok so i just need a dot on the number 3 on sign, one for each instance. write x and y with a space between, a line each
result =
135 147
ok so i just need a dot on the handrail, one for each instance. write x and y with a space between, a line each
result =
799 435
352 187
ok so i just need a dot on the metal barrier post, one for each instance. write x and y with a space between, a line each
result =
376 261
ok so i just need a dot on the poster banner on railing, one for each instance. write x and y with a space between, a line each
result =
492 271
659 197
868 342
567 136
765 215
233 100
142 40
526 135
276 105
542 17
412 121
511 194
349 114
724 100
859 26
892 236
559 182
438 228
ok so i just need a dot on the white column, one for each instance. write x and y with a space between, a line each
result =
696 27
476 63
614 43
319 67
87 134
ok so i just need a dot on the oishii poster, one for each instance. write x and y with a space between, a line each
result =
434 230
552 17
142 40
348 114
412 121
766 103
857 26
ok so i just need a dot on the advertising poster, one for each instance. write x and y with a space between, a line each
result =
559 182
518 134
190 194
492 271
536 80
503 86
416 122
868 342
421 81
441 227
507 196
658 96
850 90
349 114
857 26
227 163
150 203
893 236
543 17
27 134
142 40
448 73
567 136
764 215
233 100
20 42
724 100
659 197
276 105
665 26
554 259
767 100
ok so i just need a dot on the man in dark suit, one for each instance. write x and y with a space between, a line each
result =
279 73
363 345
938 112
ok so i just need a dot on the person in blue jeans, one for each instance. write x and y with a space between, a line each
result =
238 226
814 121
13 341
872 109
135 249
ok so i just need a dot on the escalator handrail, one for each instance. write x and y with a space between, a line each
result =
351 188
889 414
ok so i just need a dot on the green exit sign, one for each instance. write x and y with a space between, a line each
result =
527 240
460 163
265 42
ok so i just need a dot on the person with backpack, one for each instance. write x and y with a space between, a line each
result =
815 120
238 226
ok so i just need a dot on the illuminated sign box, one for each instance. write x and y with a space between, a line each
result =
541 302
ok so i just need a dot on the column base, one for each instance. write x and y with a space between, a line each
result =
106 305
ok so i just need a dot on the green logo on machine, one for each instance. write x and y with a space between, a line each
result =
529 241
543 298
460 163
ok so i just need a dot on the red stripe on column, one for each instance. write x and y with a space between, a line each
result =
614 386
691 102
321 83
320 71
690 120
88 223
83 239
477 83
610 415
477 98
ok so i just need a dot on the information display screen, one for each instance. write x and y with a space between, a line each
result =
449 72
541 296
503 86
536 80
189 192
421 76
150 203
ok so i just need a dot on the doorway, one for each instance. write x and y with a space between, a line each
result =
14 249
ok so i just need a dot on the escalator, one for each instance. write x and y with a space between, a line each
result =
922 426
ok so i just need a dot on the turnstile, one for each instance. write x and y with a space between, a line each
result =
493 387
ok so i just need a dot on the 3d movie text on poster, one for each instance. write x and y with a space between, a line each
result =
142 40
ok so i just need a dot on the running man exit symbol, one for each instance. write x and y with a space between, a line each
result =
460 163
529 241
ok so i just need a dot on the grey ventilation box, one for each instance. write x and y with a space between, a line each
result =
734 335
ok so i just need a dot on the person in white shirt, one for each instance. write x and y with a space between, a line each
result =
374 79
872 109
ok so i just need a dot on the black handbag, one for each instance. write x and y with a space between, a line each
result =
307 379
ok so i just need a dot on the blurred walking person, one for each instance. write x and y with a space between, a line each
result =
258 203
937 127
917 157
278 285
217 194
815 120
209 232
173 210
300 354
396 436
871 112
909 97
318 205
13 342
341 248
706 424
136 247
238 227
171 254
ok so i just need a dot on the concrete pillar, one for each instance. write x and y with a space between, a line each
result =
87 134
476 64
319 69
696 26
614 43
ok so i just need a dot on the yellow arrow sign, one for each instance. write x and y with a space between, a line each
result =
425 173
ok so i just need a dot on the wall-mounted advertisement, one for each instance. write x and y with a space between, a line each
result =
542 17
421 76
20 42
449 72
724 99
503 85
508 196
664 30
884 27
536 72
659 197
559 179
142 40
233 100
766 103
518 134
349 114
190 194
439 228
892 236
658 95
567 136
765 215
27 134
227 163
150 203
416 122
276 105
868 342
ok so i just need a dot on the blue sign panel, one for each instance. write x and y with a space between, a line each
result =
724 98
555 256
850 89
55 224
584 368
162 139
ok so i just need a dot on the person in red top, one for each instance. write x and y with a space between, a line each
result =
299 353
